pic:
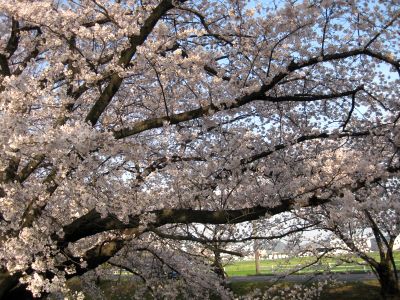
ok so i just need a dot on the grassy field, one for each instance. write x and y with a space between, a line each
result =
269 267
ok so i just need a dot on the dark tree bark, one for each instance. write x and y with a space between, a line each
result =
19 293
11 289
388 280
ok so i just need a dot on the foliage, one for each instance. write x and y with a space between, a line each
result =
124 122
368 290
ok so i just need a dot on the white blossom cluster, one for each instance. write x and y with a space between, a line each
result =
146 130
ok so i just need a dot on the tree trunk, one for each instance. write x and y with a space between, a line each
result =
218 267
7 282
256 248
19 292
257 261
11 289
389 284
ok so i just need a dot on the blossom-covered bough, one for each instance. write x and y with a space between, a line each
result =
119 118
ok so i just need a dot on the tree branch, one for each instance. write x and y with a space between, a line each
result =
126 56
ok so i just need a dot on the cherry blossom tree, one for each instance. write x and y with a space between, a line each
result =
118 118
356 219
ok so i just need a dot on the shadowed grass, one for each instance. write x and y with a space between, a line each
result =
364 290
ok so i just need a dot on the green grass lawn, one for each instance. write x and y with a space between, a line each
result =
269 267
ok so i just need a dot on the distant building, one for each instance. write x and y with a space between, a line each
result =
373 245
396 245
276 250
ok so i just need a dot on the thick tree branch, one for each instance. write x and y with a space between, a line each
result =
141 126
126 56
92 222
205 240
11 47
